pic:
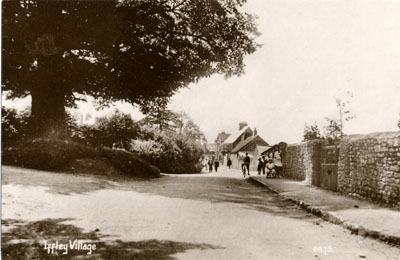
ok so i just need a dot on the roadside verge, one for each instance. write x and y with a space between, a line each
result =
360 217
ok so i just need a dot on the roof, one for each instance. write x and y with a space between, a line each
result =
262 148
222 136
233 137
269 149
242 145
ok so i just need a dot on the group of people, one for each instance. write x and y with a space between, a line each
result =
211 164
271 164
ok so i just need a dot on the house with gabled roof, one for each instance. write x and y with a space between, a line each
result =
236 145
221 137
234 139
253 146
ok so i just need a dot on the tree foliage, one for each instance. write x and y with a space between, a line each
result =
176 149
172 142
175 122
311 132
334 130
139 51
164 119
169 151
345 115
13 124
113 131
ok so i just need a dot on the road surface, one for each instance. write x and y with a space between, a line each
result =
203 216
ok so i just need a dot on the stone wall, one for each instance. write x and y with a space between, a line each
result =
369 166
303 161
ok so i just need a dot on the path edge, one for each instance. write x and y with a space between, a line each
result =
355 228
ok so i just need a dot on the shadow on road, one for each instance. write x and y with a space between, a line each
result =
58 183
21 240
205 187
219 189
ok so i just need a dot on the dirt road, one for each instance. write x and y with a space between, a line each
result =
204 216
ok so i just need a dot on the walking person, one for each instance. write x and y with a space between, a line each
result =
244 170
247 163
260 165
264 163
229 163
216 165
210 165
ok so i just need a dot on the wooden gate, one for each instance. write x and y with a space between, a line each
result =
329 167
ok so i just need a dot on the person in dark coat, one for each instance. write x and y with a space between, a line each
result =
264 163
247 163
216 165
229 163
210 165
259 165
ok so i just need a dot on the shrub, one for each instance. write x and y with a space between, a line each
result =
169 151
129 163
174 150
44 154
54 155
13 124
114 131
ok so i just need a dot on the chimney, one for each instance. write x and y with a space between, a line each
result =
255 131
242 125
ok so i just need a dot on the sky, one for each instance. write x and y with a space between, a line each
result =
312 52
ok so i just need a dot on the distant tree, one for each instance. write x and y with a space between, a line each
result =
342 103
311 132
193 131
164 119
113 131
138 51
169 151
170 121
171 141
333 132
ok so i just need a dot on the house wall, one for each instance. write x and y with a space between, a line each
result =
237 161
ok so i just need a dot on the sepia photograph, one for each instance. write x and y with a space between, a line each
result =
200 129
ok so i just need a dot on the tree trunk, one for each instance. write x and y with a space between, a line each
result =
48 98
48 114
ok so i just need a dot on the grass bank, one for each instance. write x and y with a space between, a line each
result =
67 156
